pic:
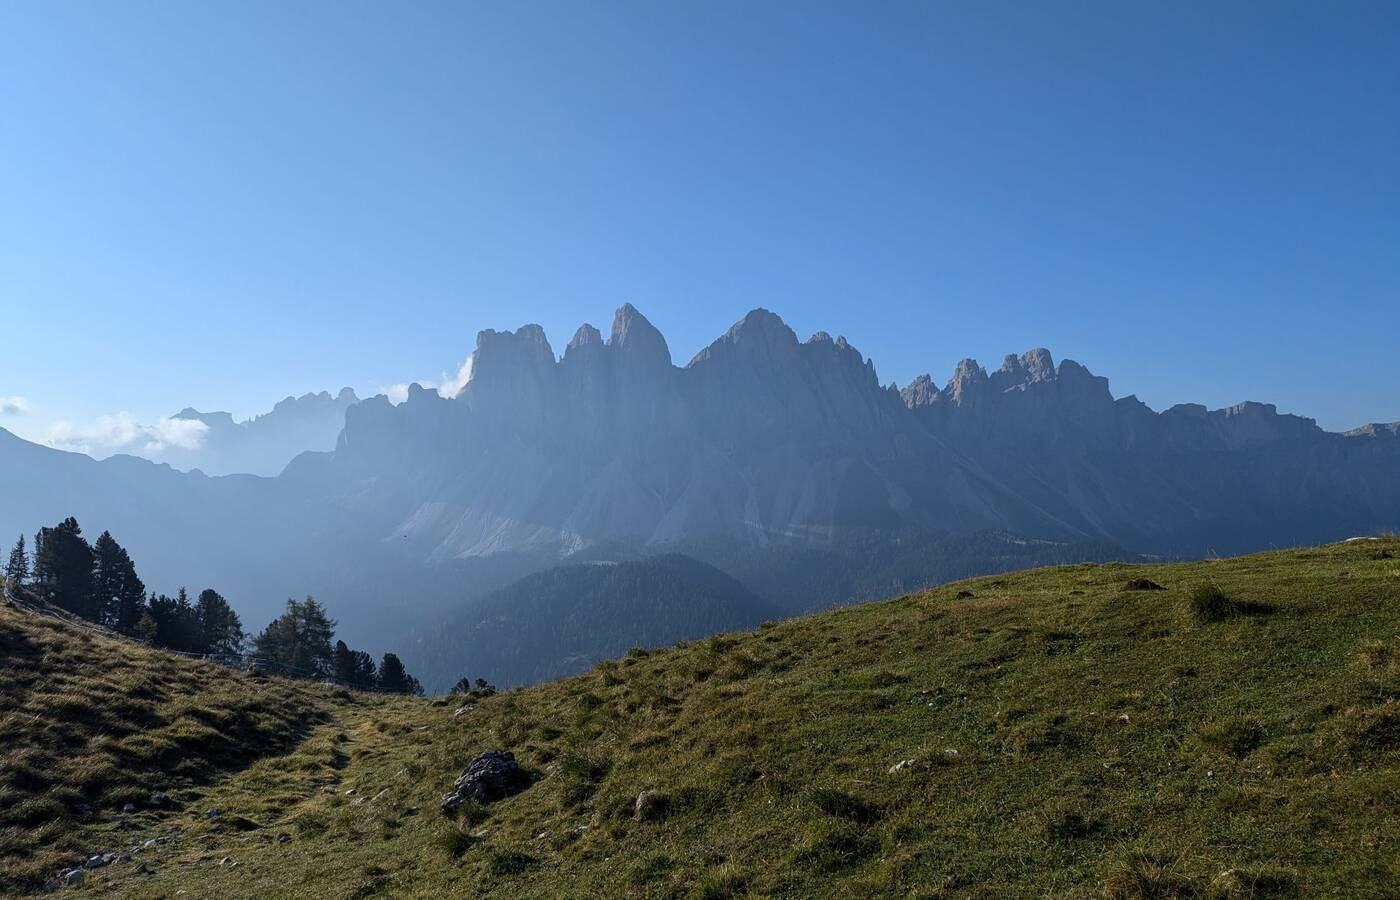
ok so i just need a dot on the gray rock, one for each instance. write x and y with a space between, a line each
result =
129 808
159 799
492 776
212 813
72 877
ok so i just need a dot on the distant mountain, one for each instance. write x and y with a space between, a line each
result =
568 618
262 445
766 441
780 462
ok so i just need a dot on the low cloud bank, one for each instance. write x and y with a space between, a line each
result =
122 433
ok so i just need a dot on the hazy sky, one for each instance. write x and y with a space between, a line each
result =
218 204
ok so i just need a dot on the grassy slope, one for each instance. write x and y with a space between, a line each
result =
1106 745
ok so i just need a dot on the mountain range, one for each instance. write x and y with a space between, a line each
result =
764 456
264 444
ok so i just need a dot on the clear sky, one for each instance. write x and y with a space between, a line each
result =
221 203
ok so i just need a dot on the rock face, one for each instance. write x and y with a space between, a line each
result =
492 776
766 440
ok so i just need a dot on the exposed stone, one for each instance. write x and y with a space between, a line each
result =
901 766
492 776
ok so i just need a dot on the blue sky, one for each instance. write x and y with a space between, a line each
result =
219 204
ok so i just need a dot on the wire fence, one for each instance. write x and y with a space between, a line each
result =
240 661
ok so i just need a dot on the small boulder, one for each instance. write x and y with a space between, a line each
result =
901 766
962 595
95 862
129 808
212 813
71 877
1143 584
284 838
159 799
493 775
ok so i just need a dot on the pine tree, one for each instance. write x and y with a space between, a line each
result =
352 667
146 629
118 591
395 679
298 642
176 625
17 570
63 568
220 630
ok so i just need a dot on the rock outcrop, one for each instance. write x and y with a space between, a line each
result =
493 775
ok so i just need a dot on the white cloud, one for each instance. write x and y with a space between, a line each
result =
121 432
452 384
14 405
448 386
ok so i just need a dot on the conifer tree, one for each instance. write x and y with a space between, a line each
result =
118 592
220 630
17 569
176 625
352 667
298 642
63 569
395 679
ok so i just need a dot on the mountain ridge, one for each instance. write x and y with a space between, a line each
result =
761 443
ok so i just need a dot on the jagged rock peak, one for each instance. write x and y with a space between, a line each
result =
821 337
1038 364
760 326
508 354
921 392
637 337
968 380
586 336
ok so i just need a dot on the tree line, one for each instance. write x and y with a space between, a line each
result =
98 582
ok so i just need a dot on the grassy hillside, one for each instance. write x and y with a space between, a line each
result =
1063 736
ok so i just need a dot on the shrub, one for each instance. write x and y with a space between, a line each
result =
652 806
509 862
721 884
1147 877
1209 603
844 806
579 774
830 847
1237 737
649 868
